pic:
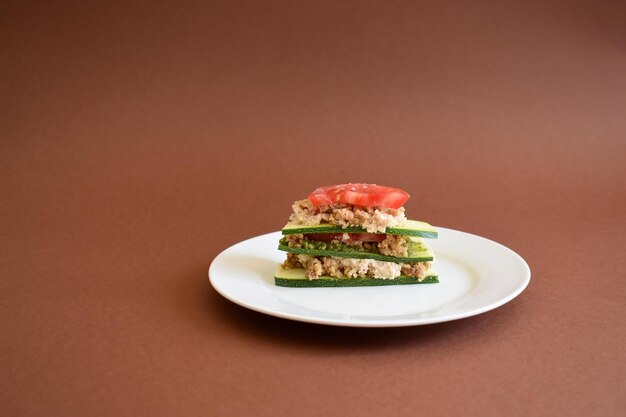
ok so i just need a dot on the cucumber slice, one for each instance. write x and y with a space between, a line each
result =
410 228
418 252
297 278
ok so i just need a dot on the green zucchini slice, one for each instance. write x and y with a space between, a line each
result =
410 228
418 251
297 278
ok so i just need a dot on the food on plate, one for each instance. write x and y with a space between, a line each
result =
354 235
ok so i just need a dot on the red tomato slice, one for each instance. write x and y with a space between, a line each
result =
322 237
367 237
364 195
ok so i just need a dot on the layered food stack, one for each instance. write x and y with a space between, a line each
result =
354 235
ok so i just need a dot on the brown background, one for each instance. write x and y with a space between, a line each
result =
138 140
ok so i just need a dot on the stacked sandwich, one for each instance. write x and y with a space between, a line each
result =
354 235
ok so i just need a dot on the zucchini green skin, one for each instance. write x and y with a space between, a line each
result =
351 282
353 254
295 278
411 228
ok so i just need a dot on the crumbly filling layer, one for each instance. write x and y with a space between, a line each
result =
393 245
317 266
373 219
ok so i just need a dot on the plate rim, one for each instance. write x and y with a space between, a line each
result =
525 281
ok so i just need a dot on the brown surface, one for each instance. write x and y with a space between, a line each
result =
138 141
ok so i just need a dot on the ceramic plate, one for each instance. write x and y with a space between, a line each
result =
476 275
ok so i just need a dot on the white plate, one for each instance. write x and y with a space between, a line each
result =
476 275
